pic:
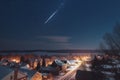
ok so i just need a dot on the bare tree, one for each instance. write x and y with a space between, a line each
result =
112 41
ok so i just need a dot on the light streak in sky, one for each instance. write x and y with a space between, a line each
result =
54 13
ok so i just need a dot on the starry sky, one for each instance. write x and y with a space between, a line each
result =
78 24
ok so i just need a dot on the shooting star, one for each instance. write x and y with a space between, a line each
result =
54 13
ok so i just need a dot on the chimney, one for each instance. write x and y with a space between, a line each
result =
15 73
43 62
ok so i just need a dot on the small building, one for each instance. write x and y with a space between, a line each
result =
88 75
32 75
4 62
9 74
36 76
47 76
58 64
49 69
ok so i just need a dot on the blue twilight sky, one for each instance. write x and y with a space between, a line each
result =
74 24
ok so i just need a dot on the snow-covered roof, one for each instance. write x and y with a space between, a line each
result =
49 68
4 71
118 65
29 73
107 73
59 62
107 66
72 62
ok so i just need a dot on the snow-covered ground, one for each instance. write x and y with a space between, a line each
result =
70 75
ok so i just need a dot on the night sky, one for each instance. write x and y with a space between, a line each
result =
76 24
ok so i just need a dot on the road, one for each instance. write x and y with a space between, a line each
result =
71 74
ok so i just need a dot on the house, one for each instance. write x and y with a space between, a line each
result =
4 62
88 75
36 76
58 64
32 75
9 74
48 70
47 76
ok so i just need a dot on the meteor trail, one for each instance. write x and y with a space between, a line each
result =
51 16
54 13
